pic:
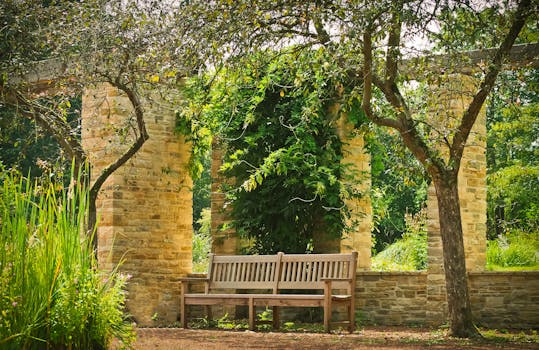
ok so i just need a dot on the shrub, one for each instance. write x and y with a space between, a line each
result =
202 242
51 293
408 253
515 249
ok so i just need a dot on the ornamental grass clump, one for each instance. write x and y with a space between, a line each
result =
52 296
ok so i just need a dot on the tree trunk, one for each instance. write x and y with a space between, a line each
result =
458 298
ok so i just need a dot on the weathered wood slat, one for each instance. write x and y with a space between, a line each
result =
315 257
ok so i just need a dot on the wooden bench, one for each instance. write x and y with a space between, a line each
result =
267 276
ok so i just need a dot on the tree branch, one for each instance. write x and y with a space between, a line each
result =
368 77
404 123
367 74
141 138
393 43
49 120
525 8
323 35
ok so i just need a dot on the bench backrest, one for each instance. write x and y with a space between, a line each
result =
281 271
244 271
308 271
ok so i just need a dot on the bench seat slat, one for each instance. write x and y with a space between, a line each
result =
215 299
260 299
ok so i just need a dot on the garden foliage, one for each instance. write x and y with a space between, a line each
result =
408 253
283 155
51 293
514 250
513 154
202 242
399 187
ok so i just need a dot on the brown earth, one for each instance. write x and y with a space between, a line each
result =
388 338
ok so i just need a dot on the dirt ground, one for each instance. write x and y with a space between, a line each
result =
388 338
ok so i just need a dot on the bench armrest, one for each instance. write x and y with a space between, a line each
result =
193 279
328 285
186 281
324 279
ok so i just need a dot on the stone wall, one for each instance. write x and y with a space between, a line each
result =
391 298
499 299
505 299
145 207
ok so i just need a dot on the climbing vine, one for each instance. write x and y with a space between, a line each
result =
283 157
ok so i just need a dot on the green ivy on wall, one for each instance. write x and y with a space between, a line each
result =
283 156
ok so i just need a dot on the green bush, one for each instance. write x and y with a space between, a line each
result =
52 296
515 249
408 253
202 242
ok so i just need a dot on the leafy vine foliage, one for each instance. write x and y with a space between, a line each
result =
513 153
287 182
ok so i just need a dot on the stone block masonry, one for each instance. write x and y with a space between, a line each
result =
224 237
391 298
145 207
499 299
357 157
505 299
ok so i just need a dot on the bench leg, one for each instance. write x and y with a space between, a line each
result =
251 314
183 311
327 306
276 321
351 318
209 314
183 308
327 316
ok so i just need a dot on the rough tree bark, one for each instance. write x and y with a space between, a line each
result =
458 299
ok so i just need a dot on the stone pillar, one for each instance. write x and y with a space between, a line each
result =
473 195
224 238
453 99
145 207
354 153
